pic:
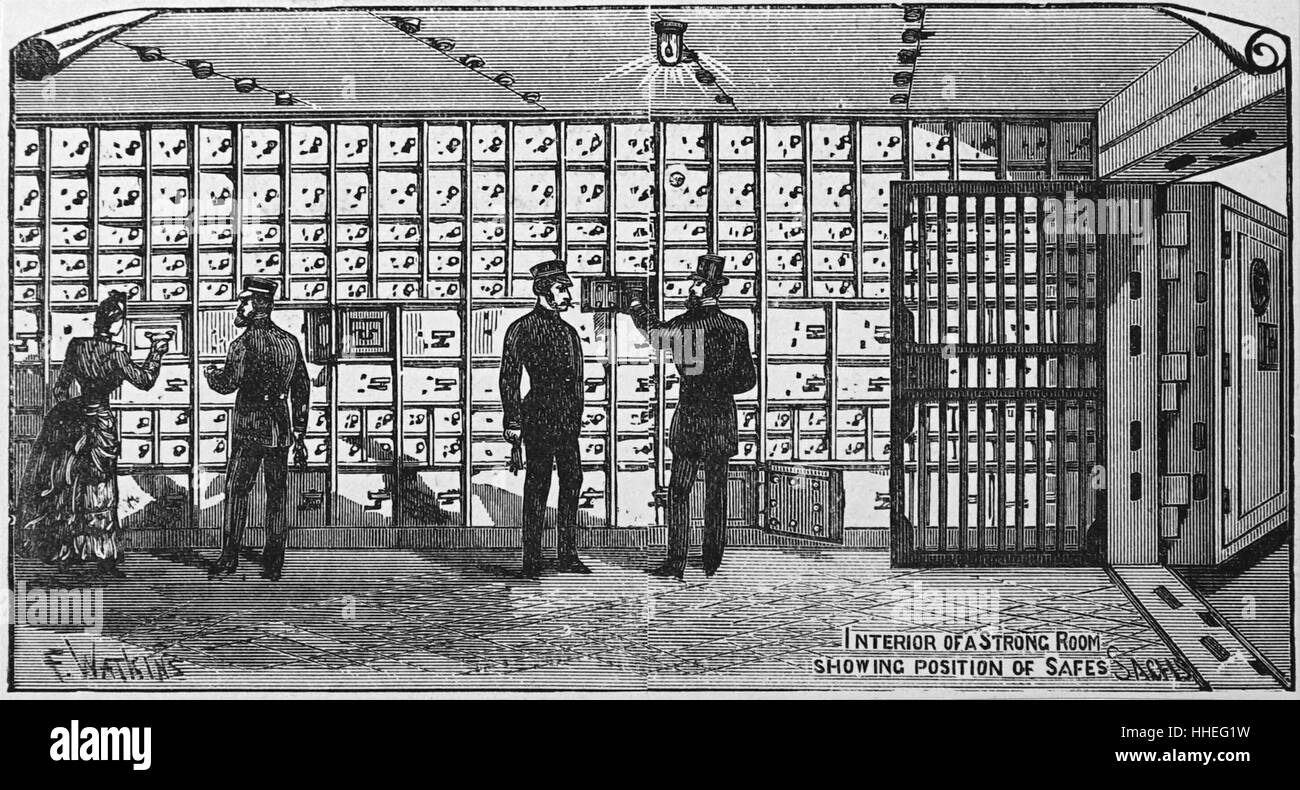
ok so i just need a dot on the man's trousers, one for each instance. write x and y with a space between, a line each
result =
540 457
246 457
685 469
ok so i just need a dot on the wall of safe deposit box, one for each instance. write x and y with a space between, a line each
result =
434 225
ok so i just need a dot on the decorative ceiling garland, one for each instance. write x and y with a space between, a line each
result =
912 15
203 69
473 63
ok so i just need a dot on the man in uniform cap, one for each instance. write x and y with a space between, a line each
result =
549 417
265 367
714 364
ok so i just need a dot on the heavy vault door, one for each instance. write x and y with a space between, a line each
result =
997 411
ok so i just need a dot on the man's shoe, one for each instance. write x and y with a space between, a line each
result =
227 563
572 565
669 569
273 559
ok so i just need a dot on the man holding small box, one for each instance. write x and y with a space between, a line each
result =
714 364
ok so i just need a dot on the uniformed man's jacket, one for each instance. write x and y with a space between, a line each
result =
714 364
265 367
545 345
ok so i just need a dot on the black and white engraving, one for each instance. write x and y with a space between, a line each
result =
855 348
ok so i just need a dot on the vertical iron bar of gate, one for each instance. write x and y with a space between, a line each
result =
963 404
1084 465
999 315
1085 399
1099 376
1022 360
1079 407
922 324
1086 266
941 403
904 214
981 336
922 413
1040 451
899 210
1072 379
1069 366
1059 242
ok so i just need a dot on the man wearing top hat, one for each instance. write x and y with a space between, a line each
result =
265 367
714 364
549 417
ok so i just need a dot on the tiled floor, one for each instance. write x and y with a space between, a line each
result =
398 620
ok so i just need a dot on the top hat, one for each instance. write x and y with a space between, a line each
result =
554 269
709 269
259 286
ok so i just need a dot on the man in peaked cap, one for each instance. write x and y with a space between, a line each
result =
714 364
549 417
265 367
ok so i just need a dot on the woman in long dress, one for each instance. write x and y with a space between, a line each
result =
68 495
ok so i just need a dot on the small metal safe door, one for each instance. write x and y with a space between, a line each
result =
1256 298
806 502
996 362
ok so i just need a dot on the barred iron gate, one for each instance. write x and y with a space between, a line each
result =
997 376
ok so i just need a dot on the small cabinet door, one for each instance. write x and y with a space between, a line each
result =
805 501
1255 418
